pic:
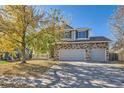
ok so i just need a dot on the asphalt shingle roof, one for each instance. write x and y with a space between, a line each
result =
97 38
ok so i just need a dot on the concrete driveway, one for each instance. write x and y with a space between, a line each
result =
73 75
85 75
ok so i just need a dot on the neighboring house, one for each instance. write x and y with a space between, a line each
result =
121 55
119 52
77 45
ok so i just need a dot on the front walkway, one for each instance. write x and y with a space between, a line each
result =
75 74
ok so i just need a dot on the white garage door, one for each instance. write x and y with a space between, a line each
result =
98 54
72 54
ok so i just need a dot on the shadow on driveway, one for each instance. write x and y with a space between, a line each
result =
87 76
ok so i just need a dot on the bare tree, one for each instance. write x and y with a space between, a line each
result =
117 26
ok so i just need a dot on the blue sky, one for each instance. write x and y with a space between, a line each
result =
91 16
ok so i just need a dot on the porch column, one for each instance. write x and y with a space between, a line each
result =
88 54
107 54
56 52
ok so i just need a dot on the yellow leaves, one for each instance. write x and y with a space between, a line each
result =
6 45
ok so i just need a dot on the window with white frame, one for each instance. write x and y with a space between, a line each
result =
81 34
67 34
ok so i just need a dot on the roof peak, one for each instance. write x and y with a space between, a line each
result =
70 27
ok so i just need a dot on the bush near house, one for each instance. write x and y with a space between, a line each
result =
15 55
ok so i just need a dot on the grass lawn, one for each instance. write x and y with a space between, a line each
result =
34 68
4 62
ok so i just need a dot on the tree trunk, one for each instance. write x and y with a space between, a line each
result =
52 51
23 55
23 49
25 25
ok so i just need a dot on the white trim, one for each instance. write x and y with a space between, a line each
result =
78 29
82 42
68 39
82 30
74 39
82 38
105 55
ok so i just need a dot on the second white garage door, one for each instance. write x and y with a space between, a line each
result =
98 54
72 54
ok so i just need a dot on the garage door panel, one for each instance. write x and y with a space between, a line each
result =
98 55
72 54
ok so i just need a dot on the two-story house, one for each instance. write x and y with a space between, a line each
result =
77 45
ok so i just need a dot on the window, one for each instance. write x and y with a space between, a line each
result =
82 34
67 35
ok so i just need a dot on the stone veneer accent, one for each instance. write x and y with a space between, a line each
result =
81 45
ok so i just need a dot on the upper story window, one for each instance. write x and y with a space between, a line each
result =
81 34
67 34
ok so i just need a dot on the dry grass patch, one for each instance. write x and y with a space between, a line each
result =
33 68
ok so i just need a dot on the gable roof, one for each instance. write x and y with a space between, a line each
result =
68 27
